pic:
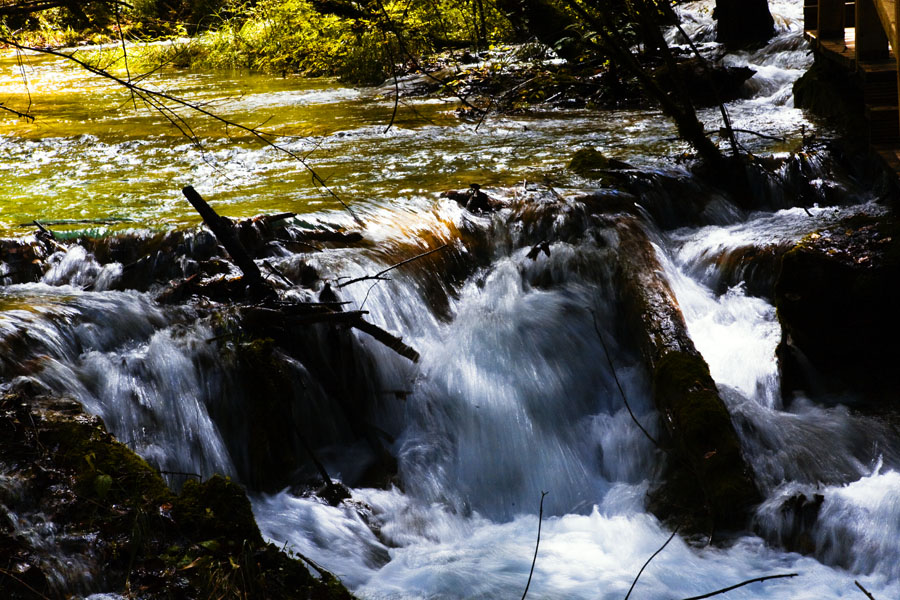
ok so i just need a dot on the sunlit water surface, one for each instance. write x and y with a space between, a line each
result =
513 396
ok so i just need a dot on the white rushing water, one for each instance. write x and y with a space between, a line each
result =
513 395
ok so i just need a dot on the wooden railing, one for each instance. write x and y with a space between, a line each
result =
863 35
874 25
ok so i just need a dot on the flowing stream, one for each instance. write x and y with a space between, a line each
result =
513 395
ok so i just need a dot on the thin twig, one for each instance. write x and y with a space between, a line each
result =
125 53
23 583
17 113
197 475
379 274
619 384
661 548
864 590
742 584
537 544
758 134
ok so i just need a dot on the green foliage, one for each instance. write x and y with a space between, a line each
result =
295 36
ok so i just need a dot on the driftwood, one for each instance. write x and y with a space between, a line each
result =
324 313
284 315
224 232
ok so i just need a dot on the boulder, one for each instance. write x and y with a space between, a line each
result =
837 296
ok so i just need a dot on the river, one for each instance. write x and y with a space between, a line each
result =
513 396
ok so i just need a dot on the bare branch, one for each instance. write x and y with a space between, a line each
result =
864 590
742 584
612 368
652 556
537 544
379 274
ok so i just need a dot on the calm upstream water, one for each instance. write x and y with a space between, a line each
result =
513 395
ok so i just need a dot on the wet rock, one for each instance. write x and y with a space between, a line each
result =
216 509
754 267
837 296
22 260
473 199
101 520
800 513
589 162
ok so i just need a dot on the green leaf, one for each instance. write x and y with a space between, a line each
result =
102 483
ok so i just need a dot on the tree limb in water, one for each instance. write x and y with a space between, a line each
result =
224 232
742 584
388 339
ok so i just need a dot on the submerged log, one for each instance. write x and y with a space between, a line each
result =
708 483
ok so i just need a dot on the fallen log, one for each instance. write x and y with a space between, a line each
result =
388 339
269 318
708 483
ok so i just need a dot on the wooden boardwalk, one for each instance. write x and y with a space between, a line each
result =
862 37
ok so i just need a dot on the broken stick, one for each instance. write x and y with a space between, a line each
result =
222 229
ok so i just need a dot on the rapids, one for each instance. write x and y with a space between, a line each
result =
513 395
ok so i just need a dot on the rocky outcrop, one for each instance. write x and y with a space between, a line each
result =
80 513
837 296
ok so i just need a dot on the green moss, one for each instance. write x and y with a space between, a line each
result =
710 473
217 509
201 544
588 161
104 467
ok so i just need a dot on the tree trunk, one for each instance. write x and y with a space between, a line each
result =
545 21
743 22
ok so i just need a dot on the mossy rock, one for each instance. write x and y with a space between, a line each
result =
218 508
105 469
120 519
590 162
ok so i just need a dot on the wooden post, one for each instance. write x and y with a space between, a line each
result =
893 38
871 39
831 19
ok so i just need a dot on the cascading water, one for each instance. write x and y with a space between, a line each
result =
514 395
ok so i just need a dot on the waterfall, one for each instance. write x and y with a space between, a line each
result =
517 391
